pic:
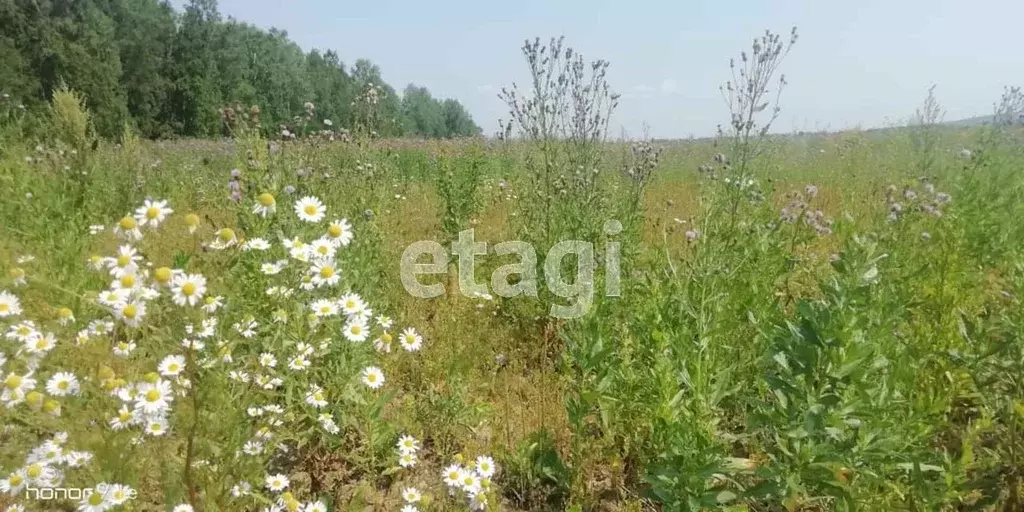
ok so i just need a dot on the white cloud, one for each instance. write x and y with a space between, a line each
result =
669 86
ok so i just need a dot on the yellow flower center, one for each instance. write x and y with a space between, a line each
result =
209 300
152 395
123 260
192 220
310 210
124 417
323 249
127 223
326 272
325 309
34 471
23 330
155 427
13 382
453 475
16 480
319 397
334 231
64 313
162 274
173 367
51 405
16 273
356 329
152 212
4 307
188 289
96 499
130 311
42 343
386 337
266 199
226 234
127 281
372 377
63 385
151 377
350 304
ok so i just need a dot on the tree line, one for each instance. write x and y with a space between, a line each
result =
167 73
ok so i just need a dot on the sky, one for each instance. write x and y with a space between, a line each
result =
857 64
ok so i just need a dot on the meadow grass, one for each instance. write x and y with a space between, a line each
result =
805 323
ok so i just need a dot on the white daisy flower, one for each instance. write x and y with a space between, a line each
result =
14 483
410 340
130 312
321 248
310 209
171 366
9 304
77 459
267 360
212 304
485 466
383 343
384 322
62 384
315 396
152 213
411 495
94 502
156 425
340 232
184 507
351 304
119 494
265 205
451 475
408 444
252 448
324 308
22 331
407 460
469 482
154 398
15 387
241 489
409 508
356 330
276 483
41 345
325 273
188 289
125 418
373 377
124 348
315 506
255 244
271 268
128 229
299 363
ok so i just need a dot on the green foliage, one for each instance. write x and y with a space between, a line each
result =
171 73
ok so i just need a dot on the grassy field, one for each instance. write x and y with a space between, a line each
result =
828 322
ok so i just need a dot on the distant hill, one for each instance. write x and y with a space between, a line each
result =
970 121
